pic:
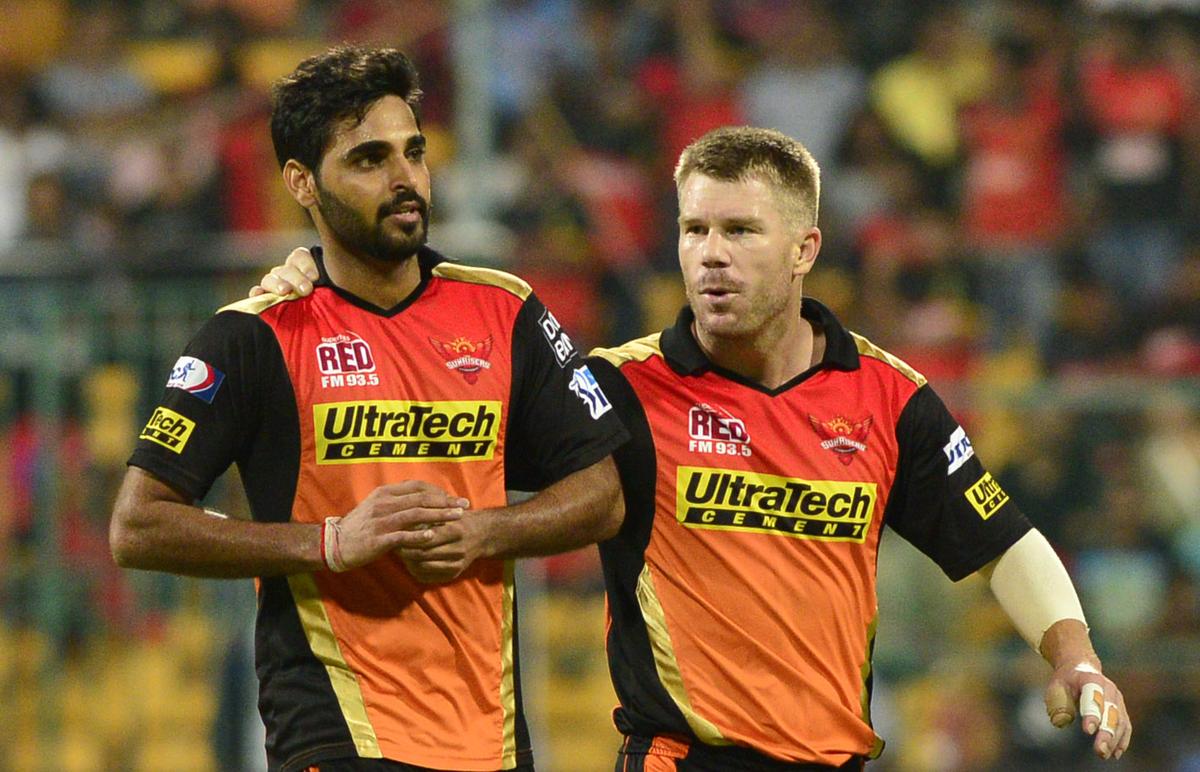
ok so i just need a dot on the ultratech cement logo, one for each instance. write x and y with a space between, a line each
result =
346 360
169 429
716 430
731 500
986 496
397 430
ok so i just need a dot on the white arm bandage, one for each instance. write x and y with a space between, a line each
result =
1033 588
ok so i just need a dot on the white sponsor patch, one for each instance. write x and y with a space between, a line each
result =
957 450
584 384
560 342
196 377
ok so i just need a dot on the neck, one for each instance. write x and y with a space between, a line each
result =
383 283
771 356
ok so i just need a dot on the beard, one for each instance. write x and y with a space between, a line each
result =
358 236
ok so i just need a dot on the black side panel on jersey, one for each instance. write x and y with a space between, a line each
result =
646 708
931 505
251 418
559 423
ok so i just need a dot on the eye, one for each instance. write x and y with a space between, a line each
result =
368 161
695 230
416 153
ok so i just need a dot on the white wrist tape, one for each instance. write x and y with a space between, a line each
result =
331 548
1033 588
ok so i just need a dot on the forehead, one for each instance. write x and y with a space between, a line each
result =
704 197
389 119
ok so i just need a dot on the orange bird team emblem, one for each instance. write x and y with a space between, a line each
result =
843 436
467 357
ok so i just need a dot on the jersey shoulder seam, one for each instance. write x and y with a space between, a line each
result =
637 350
255 306
487 276
868 349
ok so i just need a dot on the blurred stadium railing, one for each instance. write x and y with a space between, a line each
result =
110 670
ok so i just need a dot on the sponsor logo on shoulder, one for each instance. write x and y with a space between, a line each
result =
560 342
716 430
169 429
958 450
734 500
468 357
346 360
585 386
196 377
986 496
844 436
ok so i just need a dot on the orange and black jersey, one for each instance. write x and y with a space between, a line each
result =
741 586
469 384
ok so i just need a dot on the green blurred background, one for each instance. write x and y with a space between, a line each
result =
1010 204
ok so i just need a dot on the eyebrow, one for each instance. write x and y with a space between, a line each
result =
726 222
373 146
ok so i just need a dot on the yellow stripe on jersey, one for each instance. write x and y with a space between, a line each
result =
638 350
877 746
868 349
256 305
667 665
508 692
489 276
324 645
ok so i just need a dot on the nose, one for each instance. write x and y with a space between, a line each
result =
402 175
714 251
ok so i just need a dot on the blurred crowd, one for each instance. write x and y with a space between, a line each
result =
1011 193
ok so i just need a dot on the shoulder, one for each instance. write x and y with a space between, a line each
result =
869 351
255 306
488 277
637 350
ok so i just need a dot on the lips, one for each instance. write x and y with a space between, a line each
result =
406 209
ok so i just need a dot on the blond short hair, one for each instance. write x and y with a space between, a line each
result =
737 153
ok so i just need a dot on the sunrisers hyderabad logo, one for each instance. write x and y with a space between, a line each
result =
843 436
467 357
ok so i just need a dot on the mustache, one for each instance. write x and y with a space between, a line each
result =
394 206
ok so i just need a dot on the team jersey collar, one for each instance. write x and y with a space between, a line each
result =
426 259
684 355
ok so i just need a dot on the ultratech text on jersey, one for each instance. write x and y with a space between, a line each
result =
398 430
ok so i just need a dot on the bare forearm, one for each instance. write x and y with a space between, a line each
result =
154 529
584 508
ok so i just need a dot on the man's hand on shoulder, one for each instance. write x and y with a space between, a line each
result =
297 275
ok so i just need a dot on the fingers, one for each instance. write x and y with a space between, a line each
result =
435 572
297 275
302 261
420 486
1060 707
1124 736
1102 709
1091 706
415 544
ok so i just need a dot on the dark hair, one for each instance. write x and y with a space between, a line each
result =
737 153
324 90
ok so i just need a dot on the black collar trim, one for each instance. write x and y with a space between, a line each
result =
685 357
426 258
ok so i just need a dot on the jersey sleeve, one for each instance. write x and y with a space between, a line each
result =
211 407
560 419
943 501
